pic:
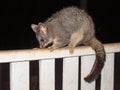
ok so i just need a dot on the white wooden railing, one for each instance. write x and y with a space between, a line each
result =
19 67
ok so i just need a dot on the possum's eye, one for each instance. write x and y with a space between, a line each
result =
42 40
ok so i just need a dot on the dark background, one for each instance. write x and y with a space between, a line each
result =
18 15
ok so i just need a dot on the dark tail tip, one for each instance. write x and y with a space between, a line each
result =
91 78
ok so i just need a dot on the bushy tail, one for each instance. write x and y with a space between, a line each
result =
99 62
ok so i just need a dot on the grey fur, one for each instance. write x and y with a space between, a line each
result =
71 26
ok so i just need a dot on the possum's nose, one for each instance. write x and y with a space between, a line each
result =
41 46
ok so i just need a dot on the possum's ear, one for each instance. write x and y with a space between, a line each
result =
42 27
34 27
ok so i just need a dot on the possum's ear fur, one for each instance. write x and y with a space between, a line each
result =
34 27
42 27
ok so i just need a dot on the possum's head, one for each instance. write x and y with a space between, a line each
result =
41 34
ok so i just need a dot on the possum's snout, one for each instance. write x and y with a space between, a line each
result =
41 46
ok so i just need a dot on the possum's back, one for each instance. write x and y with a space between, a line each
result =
72 18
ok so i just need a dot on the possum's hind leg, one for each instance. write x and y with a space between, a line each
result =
76 39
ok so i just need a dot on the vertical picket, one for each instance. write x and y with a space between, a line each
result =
0 76
86 65
107 76
47 74
19 76
70 73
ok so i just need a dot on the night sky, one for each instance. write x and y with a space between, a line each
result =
18 15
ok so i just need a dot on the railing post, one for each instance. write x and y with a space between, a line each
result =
19 76
107 76
0 76
70 73
47 74
86 66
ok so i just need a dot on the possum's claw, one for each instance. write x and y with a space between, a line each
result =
51 49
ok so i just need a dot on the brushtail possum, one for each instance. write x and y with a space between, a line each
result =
71 27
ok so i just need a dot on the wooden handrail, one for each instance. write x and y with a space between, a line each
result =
36 54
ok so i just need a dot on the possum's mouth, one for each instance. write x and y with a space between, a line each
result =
41 46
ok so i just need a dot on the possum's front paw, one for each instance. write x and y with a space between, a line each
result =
51 48
71 49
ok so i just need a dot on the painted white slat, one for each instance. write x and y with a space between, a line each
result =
86 66
107 76
0 76
19 76
47 74
70 73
